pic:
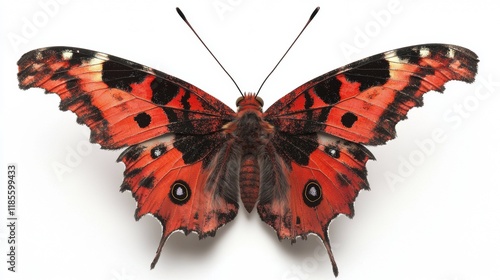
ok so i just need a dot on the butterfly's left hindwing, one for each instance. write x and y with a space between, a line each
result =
189 183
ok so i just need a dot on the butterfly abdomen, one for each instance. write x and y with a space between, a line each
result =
249 181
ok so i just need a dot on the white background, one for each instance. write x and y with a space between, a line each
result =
440 220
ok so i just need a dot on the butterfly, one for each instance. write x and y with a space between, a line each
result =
190 158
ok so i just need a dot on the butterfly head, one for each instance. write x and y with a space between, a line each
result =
249 101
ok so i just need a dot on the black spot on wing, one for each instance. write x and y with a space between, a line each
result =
371 74
308 104
171 114
332 151
180 192
323 115
348 119
328 90
73 86
147 182
312 194
133 172
436 49
185 101
143 120
117 75
412 55
62 74
309 100
77 58
163 91
157 151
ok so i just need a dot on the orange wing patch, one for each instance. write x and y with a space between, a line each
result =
183 196
363 101
317 192
122 102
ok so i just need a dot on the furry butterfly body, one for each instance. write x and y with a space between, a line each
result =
190 158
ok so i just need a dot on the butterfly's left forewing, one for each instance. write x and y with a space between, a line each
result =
320 127
122 102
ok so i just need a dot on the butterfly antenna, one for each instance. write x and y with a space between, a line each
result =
307 23
181 14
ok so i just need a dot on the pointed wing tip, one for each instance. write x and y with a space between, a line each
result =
328 248
158 251
25 58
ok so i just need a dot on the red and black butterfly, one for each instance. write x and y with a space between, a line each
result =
189 157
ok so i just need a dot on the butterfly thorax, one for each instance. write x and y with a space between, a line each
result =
251 134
